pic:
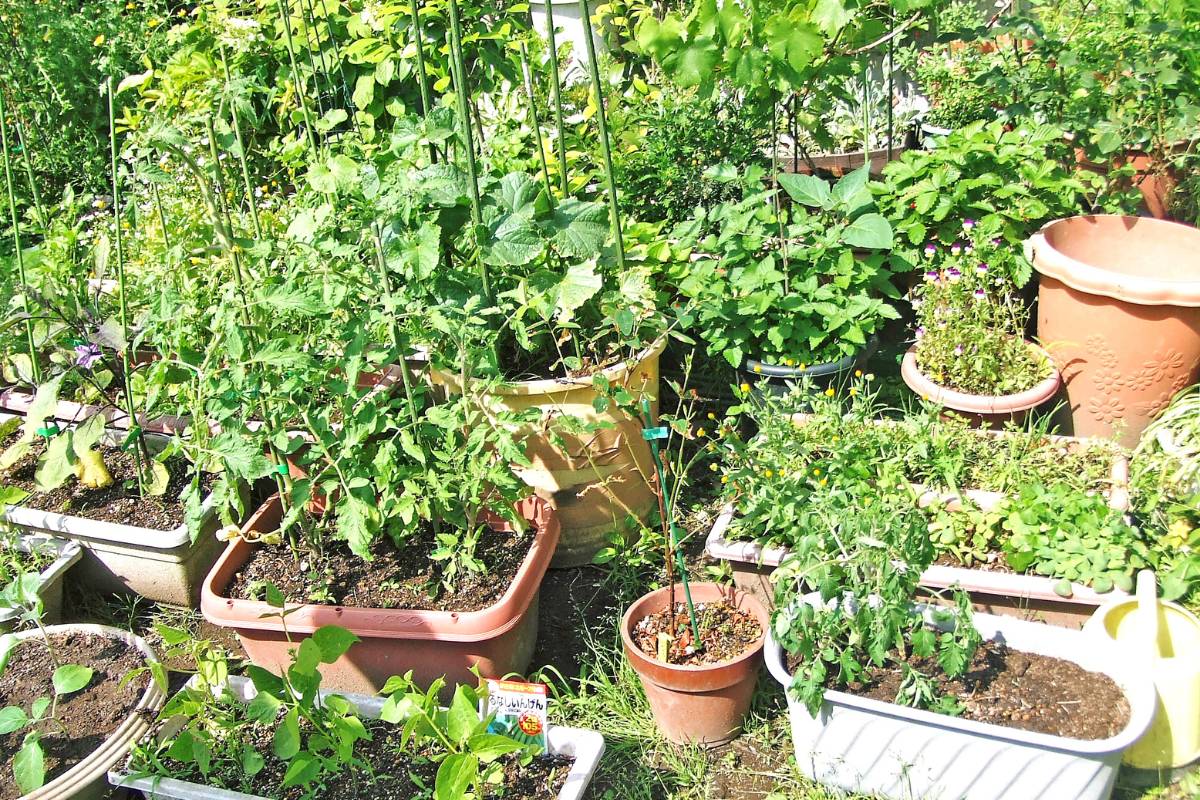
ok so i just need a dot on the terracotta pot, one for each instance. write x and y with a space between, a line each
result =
595 480
983 410
497 640
1154 181
697 705
839 164
1119 310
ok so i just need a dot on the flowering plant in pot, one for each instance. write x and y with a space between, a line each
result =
970 354
884 695
787 291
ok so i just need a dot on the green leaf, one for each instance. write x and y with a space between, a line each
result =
852 185
28 765
333 642
12 718
55 465
45 401
321 179
71 678
455 775
11 495
581 228
693 62
303 769
286 742
289 299
241 456
870 232
807 190
830 16
490 746
308 656
358 523
364 91
462 717
580 284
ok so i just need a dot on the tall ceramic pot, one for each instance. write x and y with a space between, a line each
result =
1119 311
595 480
703 705
570 27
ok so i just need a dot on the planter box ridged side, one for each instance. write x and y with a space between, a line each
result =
863 745
16 401
585 746
595 480
163 566
498 639
87 779
50 589
991 591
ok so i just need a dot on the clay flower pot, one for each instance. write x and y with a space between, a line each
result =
983 410
595 479
1119 307
497 640
702 705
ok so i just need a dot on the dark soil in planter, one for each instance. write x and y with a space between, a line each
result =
725 632
403 577
89 715
1018 690
397 773
119 503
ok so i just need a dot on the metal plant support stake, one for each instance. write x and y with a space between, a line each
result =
556 93
652 434
537 123
237 132
285 18
135 429
16 233
602 121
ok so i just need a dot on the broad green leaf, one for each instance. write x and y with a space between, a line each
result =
87 435
12 718
45 401
870 232
241 457
333 642
807 190
358 523
287 299
303 769
580 284
462 717
490 746
28 765
308 656
581 228
851 185
455 775
321 179
286 742
55 465
830 16
11 495
364 91
71 678
693 62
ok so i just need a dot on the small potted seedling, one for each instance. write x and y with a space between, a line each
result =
50 729
695 646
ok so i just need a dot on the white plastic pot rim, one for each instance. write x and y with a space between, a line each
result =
1066 644
68 554
585 746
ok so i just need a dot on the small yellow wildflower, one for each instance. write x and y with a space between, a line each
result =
711 415
803 366
724 479
858 373
829 392
853 391
768 473
824 481
745 387
816 471
153 23
701 432
788 362
713 467
98 41
758 367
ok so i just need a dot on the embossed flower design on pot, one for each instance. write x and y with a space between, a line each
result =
1107 380
1167 365
1106 409
1098 346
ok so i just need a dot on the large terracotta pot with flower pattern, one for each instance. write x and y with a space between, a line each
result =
1119 310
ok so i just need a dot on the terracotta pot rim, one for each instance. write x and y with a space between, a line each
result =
1091 279
678 677
614 374
394 623
981 404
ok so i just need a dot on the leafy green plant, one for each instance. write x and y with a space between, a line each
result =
970 323
793 286
1075 537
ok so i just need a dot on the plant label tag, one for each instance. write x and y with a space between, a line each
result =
520 710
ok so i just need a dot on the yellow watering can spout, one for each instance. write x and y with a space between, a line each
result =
1163 638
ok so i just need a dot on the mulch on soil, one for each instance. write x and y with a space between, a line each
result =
393 772
119 503
396 577
1019 690
88 715
725 633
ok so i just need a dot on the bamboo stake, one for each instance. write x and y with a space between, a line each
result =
602 120
16 232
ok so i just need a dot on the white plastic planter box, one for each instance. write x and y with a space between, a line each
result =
584 746
50 589
863 745
1002 592
570 27
18 402
163 566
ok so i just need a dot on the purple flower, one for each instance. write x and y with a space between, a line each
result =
958 350
953 274
997 242
970 248
955 249
932 275
920 333
980 294
968 224
86 355
982 268
930 250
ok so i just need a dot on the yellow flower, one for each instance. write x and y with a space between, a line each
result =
829 392
803 366
713 467
853 391
787 362
98 41
745 387
824 481
229 533
816 471
711 415
758 367
858 373
701 432
768 473
154 23
724 479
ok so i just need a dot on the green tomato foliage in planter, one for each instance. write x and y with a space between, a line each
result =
798 284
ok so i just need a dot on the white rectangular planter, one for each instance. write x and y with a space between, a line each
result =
50 589
864 745
584 746
163 566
